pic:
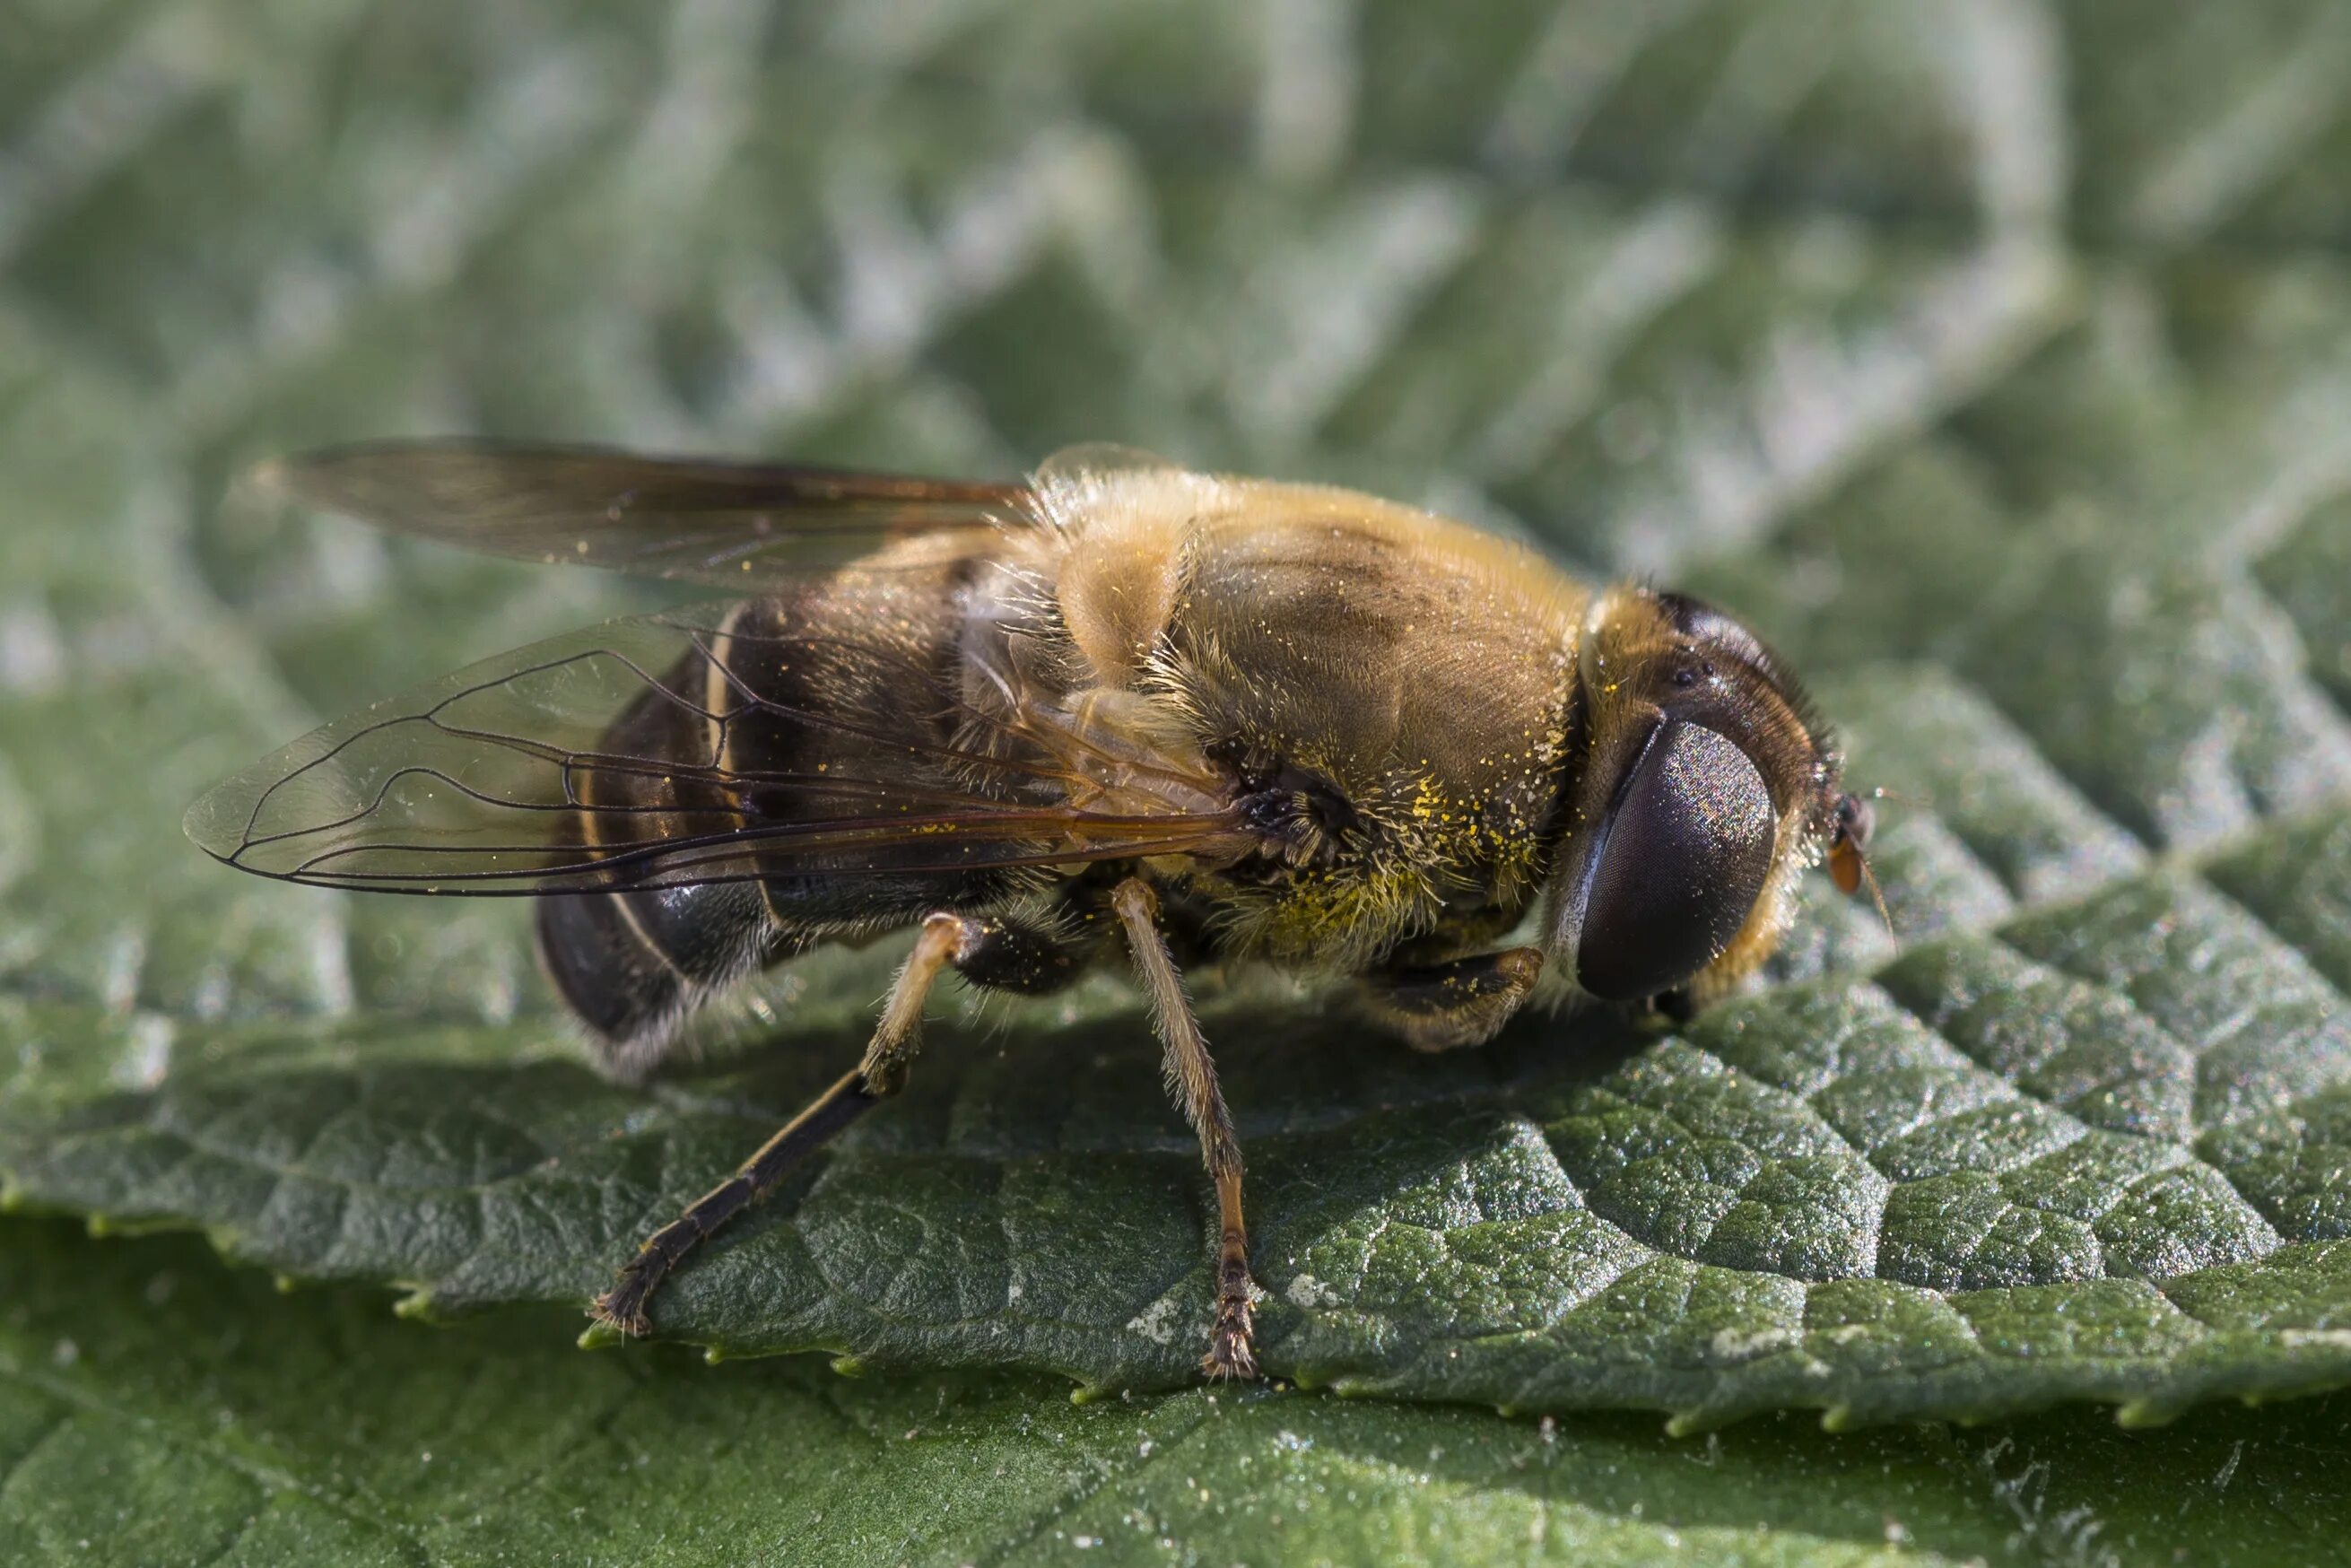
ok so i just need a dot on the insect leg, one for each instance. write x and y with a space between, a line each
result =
945 938
624 1306
1192 1076
1443 1006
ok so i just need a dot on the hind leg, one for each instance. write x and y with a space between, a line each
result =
989 952
999 953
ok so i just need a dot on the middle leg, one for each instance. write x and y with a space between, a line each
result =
1192 1075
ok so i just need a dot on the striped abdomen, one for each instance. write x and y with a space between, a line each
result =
835 700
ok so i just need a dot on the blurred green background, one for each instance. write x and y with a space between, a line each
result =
1994 355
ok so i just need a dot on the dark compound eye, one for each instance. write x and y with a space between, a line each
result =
1684 853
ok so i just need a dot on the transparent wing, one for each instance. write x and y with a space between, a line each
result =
740 526
620 757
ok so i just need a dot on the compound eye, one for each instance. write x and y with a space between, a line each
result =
1684 857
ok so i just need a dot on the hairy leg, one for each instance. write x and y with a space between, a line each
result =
989 952
624 1306
1192 1077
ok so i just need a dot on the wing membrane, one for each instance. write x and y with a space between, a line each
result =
740 526
512 777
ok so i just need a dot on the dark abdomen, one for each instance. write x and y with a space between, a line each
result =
831 703
632 965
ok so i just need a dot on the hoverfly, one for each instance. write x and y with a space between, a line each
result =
1117 706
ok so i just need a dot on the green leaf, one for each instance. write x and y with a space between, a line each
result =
156 1408
2007 1170
1995 359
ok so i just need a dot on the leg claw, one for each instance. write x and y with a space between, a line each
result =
1230 1356
624 1306
1232 1345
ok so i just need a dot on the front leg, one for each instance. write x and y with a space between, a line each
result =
1444 1006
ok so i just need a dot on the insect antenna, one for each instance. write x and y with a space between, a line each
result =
1876 896
1855 824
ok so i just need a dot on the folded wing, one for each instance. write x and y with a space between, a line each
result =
739 526
537 772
